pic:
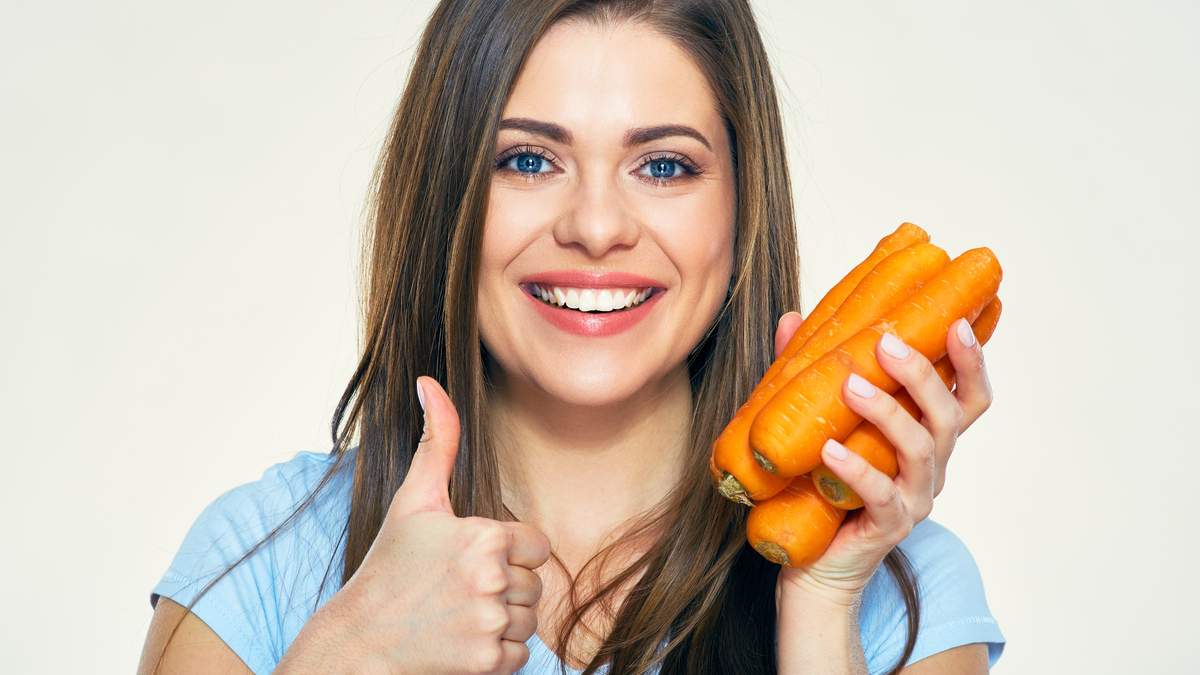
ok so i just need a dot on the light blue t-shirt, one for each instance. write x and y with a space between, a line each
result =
260 607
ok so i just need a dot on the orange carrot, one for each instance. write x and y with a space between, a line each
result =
891 282
789 431
869 442
794 527
904 236
733 442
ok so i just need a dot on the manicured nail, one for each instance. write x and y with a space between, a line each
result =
893 346
859 385
420 396
835 450
965 334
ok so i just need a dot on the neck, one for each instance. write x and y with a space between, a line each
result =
578 472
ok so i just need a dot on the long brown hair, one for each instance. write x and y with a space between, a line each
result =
701 587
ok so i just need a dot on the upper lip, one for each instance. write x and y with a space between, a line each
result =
585 279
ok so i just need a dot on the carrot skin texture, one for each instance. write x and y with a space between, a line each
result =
869 442
901 238
733 445
895 279
795 527
789 431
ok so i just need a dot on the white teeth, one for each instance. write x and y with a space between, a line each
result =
587 300
591 299
604 301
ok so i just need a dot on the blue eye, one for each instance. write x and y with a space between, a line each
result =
663 168
529 163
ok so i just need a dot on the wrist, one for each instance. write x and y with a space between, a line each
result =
799 589
818 631
327 643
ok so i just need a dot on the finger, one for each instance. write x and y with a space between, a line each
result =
973 390
522 623
516 654
884 516
528 547
426 485
789 323
915 447
524 586
941 413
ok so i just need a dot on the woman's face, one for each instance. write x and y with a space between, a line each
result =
586 186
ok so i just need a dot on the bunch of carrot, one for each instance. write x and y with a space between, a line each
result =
769 455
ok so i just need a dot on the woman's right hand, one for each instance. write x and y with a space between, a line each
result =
435 593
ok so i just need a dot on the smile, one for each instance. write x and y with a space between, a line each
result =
590 299
592 312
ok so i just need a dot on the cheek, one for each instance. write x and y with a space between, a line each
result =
697 234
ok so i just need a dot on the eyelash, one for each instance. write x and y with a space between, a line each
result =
690 169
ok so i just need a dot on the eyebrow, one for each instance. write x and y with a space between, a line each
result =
635 136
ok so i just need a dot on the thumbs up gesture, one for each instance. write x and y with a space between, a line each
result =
435 593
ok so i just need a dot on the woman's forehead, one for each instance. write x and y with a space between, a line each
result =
599 81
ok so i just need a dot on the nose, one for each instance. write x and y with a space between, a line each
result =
599 221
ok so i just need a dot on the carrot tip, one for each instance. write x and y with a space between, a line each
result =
765 463
772 551
731 489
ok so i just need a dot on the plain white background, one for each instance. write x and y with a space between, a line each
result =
182 188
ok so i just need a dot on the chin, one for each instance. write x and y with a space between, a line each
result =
595 386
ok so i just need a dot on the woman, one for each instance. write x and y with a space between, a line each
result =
582 228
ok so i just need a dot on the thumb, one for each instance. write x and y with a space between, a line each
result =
426 486
788 324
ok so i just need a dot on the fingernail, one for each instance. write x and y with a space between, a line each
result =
835 450
859 385
965 334
894 347
420 396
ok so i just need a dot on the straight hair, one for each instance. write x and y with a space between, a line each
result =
702 590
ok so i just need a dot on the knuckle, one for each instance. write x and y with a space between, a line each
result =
888 406
926 448
986 402
488 535
885 499
491 580
922 369
488 658
491 618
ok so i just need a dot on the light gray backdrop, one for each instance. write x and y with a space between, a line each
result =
182 186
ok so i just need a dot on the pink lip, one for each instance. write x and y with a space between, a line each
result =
583 279
594 324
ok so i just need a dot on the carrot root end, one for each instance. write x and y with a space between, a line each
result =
765 463
831 490
772 551
731 489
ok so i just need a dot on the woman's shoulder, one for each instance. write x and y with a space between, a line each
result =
953 603
260 605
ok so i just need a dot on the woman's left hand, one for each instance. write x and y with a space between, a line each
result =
923 448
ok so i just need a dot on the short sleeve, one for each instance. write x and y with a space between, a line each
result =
953 604
243 607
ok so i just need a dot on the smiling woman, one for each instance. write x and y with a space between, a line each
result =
582 252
